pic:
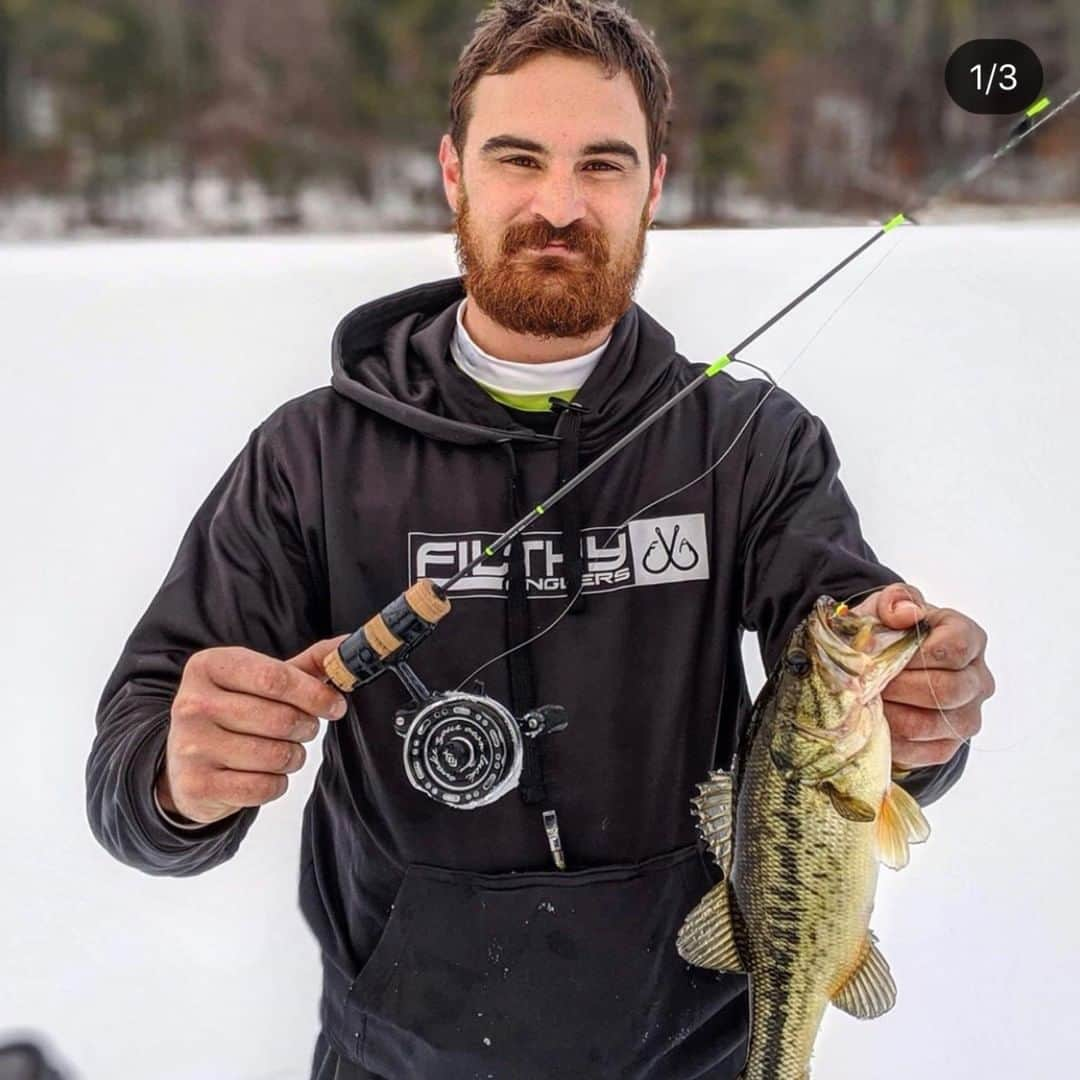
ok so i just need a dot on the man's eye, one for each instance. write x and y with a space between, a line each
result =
606 165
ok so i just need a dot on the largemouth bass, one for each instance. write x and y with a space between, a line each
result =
815 812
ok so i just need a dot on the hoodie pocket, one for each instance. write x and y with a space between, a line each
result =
531 976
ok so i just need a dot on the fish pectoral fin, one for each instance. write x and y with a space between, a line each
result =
869 990
712 806
707 936
901 822
848 806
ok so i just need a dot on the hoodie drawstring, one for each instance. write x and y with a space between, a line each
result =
522 677
568 428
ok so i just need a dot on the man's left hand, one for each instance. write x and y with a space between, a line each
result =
950 660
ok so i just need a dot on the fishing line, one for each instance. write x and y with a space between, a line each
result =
1022 131
671 494
775 385
966 740
558 618
466 749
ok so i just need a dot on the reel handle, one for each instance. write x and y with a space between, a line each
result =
388 637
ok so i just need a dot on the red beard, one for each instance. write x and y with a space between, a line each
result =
549 296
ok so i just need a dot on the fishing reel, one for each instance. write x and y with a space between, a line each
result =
464 750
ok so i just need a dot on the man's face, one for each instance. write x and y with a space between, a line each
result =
510 201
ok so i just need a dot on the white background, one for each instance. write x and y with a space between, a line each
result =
133 373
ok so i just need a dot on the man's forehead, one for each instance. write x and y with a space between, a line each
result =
562 103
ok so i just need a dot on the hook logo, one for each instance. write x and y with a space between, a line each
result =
673 548
678 554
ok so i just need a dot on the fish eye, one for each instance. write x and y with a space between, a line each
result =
797 662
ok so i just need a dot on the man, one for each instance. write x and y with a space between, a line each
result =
452 945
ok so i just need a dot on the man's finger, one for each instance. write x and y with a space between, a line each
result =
901 591
922 725
914 755
249 715
310 660
954 641
252 753
241 788
898 605
249 672
934 687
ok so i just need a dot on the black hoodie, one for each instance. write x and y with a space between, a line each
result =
451 946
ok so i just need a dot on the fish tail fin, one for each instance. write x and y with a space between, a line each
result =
901 822
707 936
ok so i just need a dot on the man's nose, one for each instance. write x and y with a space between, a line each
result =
558 197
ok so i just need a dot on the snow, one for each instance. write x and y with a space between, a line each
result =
133 372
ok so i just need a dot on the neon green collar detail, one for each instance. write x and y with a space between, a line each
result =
527 402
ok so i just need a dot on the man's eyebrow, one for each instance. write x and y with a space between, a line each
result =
618 147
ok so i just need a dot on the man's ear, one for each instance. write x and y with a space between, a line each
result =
450 165
657 186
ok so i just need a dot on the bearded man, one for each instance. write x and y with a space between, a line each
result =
532 937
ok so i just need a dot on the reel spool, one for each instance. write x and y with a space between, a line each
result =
463 750
467 750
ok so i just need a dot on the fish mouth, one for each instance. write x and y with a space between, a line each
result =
858 651
853 657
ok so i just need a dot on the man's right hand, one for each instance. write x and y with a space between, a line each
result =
237 726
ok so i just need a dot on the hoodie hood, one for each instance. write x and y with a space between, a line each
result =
392 356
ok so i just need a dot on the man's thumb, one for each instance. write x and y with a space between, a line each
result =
901 606
311 659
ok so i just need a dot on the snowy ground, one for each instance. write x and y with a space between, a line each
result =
133 372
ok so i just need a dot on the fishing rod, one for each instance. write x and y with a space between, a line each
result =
465 749
1019 133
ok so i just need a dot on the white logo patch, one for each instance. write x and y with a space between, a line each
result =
652 551
669 549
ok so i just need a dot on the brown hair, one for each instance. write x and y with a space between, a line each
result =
509 32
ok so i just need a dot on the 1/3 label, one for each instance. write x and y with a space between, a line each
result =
994 75
1007 74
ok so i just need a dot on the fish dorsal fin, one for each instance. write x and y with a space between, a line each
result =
900 822
712 805
869 990
707 937
848 806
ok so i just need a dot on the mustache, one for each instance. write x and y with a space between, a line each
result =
539 235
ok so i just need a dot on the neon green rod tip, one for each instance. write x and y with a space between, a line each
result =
718 365
898 220
488 551
1038 107
539 509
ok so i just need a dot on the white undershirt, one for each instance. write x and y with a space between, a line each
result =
514 377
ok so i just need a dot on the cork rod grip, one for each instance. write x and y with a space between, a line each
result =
394 630
423 599
338 673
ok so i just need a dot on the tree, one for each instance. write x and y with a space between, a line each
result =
713 51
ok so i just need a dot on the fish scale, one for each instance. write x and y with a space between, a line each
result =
799 828
804 928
